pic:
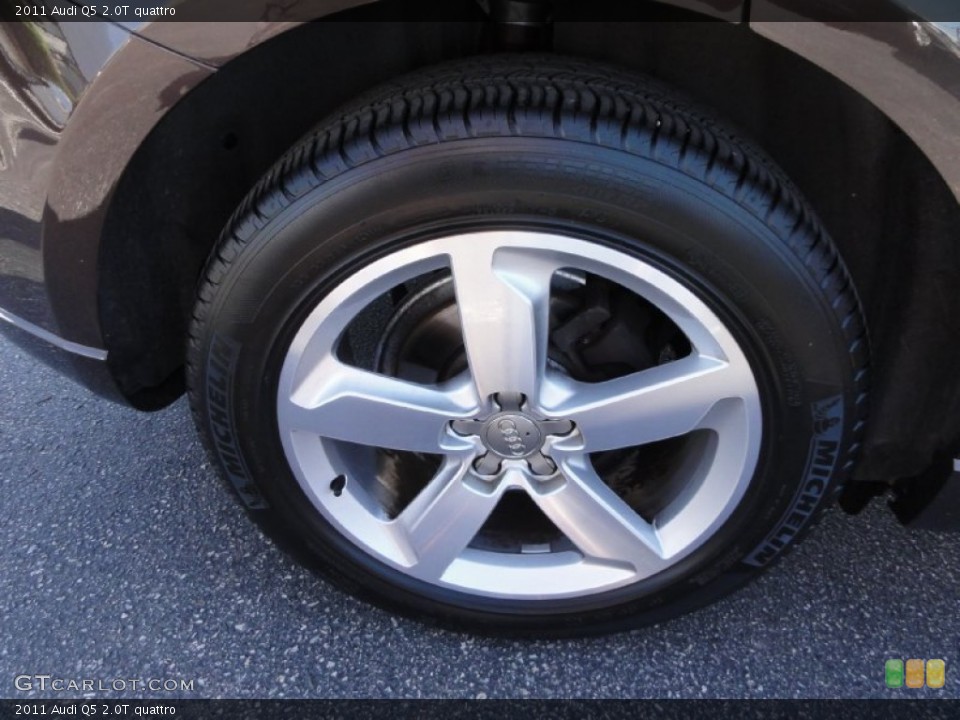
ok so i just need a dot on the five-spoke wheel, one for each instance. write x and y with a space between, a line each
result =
515 420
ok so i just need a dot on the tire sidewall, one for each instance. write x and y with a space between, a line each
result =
734 261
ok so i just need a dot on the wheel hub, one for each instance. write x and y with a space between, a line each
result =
513 433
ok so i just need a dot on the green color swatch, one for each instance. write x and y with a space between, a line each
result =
893 671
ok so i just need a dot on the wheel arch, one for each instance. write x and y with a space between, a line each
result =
198 136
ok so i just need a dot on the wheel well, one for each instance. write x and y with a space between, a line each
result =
196 166
872 187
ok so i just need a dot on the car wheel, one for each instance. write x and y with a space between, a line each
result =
531 345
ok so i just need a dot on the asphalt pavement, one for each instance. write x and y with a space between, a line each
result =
124 557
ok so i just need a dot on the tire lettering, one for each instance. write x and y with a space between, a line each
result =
822 459
826 454
221 360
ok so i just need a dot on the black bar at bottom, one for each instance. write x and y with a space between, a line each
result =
496 709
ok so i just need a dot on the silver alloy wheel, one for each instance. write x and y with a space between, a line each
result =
514 422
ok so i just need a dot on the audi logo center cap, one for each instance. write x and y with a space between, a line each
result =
512 435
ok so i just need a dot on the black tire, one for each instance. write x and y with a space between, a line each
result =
566 147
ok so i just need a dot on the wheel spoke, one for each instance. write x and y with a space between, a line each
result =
503 297
655 404
445 516
346 403
710 491
597 521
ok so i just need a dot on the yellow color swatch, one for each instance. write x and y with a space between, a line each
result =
936 673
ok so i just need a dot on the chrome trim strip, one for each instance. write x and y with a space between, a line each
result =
47 336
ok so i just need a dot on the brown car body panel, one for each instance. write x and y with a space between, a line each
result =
134 91
111 89
911 73
44 82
